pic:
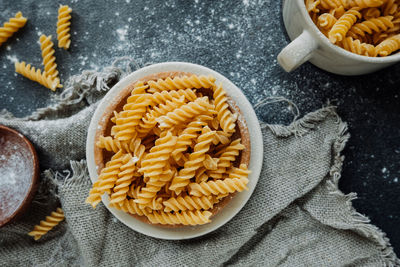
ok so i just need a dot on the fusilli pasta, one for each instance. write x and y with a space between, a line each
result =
49 60
224 115
46 225
185 82
343 25
186 217
389 45
12 26
195 160
189 203
63 26
228 185
31 73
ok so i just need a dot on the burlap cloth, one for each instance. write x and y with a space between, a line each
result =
297 216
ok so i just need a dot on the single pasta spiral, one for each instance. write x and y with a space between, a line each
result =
195 161
49 223
372 25
224 115
389 45
186 218
390 7
110 144
184 82
228 185
125 178
163 96
343 25
106 180
129 119
189 203
227 156
49 60
155 161
153 186
210 163
312 5
12 26
326 21
359 48
332 4
371 13
36 75
130 206
365 3
186 112
63 26
186 138
222 137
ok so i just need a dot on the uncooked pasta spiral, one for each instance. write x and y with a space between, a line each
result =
184 82
365 3
186 217
111 144
125 178
186 138
161 97
49 60
224 115
228 185
326 21
63 26
155 161
36 75
372 25
195 161
49 223
239 173
186 112
332 4
129 119
343 25
106 180
312 5
210 163
222 137
389 46
189 203
359 48
153 186
371 13
130 206
390 7
11 26
226 156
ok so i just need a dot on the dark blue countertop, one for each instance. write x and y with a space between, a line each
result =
239 39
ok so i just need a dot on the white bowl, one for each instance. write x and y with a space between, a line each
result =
256 158
309 43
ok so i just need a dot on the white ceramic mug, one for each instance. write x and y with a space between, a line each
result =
309 43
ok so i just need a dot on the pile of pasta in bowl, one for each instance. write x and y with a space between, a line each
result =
364 27
172 150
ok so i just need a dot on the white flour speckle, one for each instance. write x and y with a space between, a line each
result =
384 170
122 33
12 58
396 180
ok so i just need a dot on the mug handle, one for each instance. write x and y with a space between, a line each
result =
297 52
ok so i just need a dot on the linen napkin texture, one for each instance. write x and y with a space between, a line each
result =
296 216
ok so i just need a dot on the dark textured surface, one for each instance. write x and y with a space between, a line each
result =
240 40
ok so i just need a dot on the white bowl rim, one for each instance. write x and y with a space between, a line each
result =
388 59
235 205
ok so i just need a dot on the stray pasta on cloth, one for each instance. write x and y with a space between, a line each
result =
175 152
46 225
364 27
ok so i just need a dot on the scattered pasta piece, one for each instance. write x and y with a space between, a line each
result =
49 223
49 60
170 141
12 26
63 26
36 75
